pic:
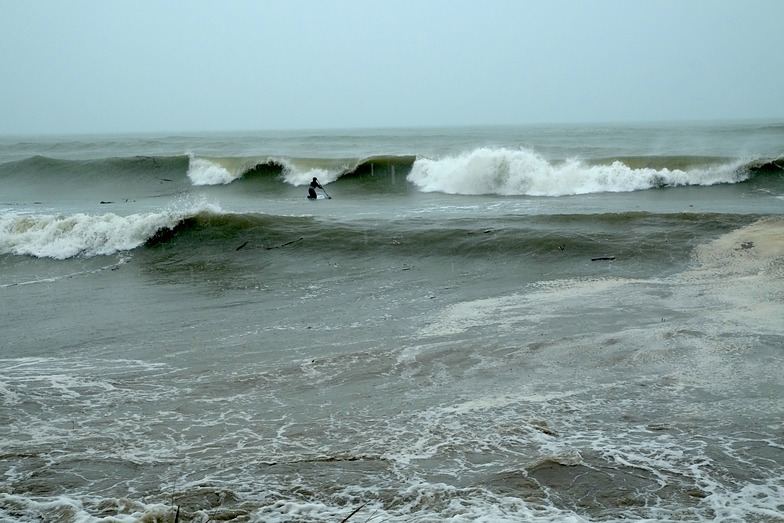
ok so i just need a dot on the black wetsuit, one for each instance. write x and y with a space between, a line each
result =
312 189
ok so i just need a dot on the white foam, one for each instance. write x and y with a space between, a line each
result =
747 251
66 236
21 509
516 310
743 271
202 171
302 172
10 397
522 172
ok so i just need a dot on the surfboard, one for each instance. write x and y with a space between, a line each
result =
319 197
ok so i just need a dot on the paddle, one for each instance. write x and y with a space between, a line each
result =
325 194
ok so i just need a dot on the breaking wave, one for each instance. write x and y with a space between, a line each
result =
292 171
485 170
67 236
499 171
523 172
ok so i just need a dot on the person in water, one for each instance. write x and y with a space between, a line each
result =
314 183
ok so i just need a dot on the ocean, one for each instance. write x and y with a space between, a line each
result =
564 323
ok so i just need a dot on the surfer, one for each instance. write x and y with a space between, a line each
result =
312 189
314 183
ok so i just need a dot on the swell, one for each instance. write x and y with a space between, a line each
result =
138 168
631 235
199 226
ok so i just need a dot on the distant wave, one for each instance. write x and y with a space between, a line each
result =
524 172
104 168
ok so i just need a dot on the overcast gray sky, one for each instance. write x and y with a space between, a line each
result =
83 66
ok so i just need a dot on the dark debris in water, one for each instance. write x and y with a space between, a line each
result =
283 245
